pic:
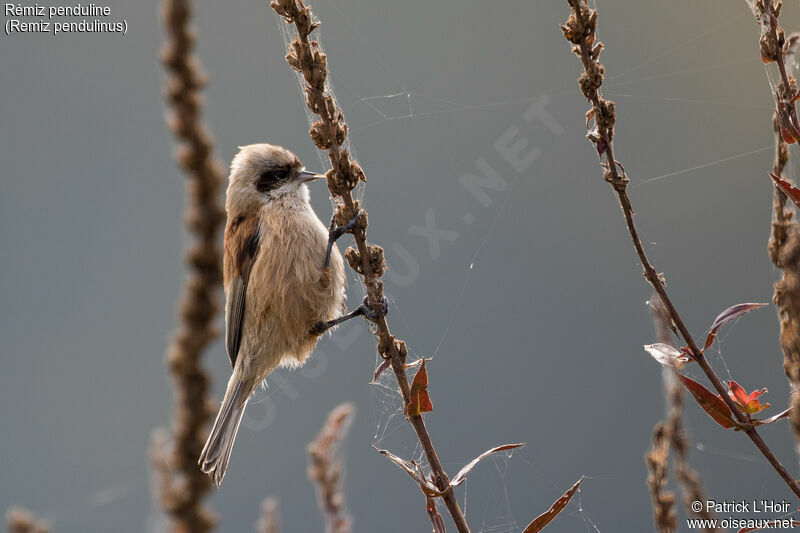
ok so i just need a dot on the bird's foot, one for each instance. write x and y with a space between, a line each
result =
382 309
334 232
362 310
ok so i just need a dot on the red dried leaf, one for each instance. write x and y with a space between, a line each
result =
420 400
541 521
710 402
770 525
726 316
738 393
749 403
788 189
462 474
786 134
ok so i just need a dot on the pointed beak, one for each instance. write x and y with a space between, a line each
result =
306 176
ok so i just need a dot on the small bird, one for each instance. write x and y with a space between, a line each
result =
284 282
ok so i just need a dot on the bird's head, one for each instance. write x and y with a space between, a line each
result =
261 172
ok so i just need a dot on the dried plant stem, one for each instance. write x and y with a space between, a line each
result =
784 244
688 478
22 521
580 31
325 468
784 251
270 519
329 134
670 435
657 458
182 485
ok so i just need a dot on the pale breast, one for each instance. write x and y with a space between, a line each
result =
288 290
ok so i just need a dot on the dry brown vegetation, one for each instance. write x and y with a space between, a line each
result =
183 488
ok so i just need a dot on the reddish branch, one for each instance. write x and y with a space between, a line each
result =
580 31
329 134
182 485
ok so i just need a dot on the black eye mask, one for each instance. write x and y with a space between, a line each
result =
271 179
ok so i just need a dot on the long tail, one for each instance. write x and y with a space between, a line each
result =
217 451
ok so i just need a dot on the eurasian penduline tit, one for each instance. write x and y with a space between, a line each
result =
284 282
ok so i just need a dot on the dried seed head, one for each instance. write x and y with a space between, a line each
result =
341 129
302 20
320 135
376 260
605 116
401 348
385 344
770 47
284 8
580 25
591 79
343 215
353 259
355 169
311 101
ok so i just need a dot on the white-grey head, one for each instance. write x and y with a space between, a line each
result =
261 172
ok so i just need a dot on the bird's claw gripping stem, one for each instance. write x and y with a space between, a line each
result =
362 310
334 232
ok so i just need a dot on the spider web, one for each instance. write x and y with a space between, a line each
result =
487 485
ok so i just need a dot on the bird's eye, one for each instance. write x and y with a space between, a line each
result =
266 181
271 179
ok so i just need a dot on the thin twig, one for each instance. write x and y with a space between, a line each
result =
329 134
580 31
182 485
20 520
325 468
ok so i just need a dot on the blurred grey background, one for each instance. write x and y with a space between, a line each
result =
535 311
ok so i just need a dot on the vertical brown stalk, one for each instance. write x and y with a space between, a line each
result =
689 480
329 134
784 244
657 458
663 500
325 468
580 30
182 485
784 251
669 435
